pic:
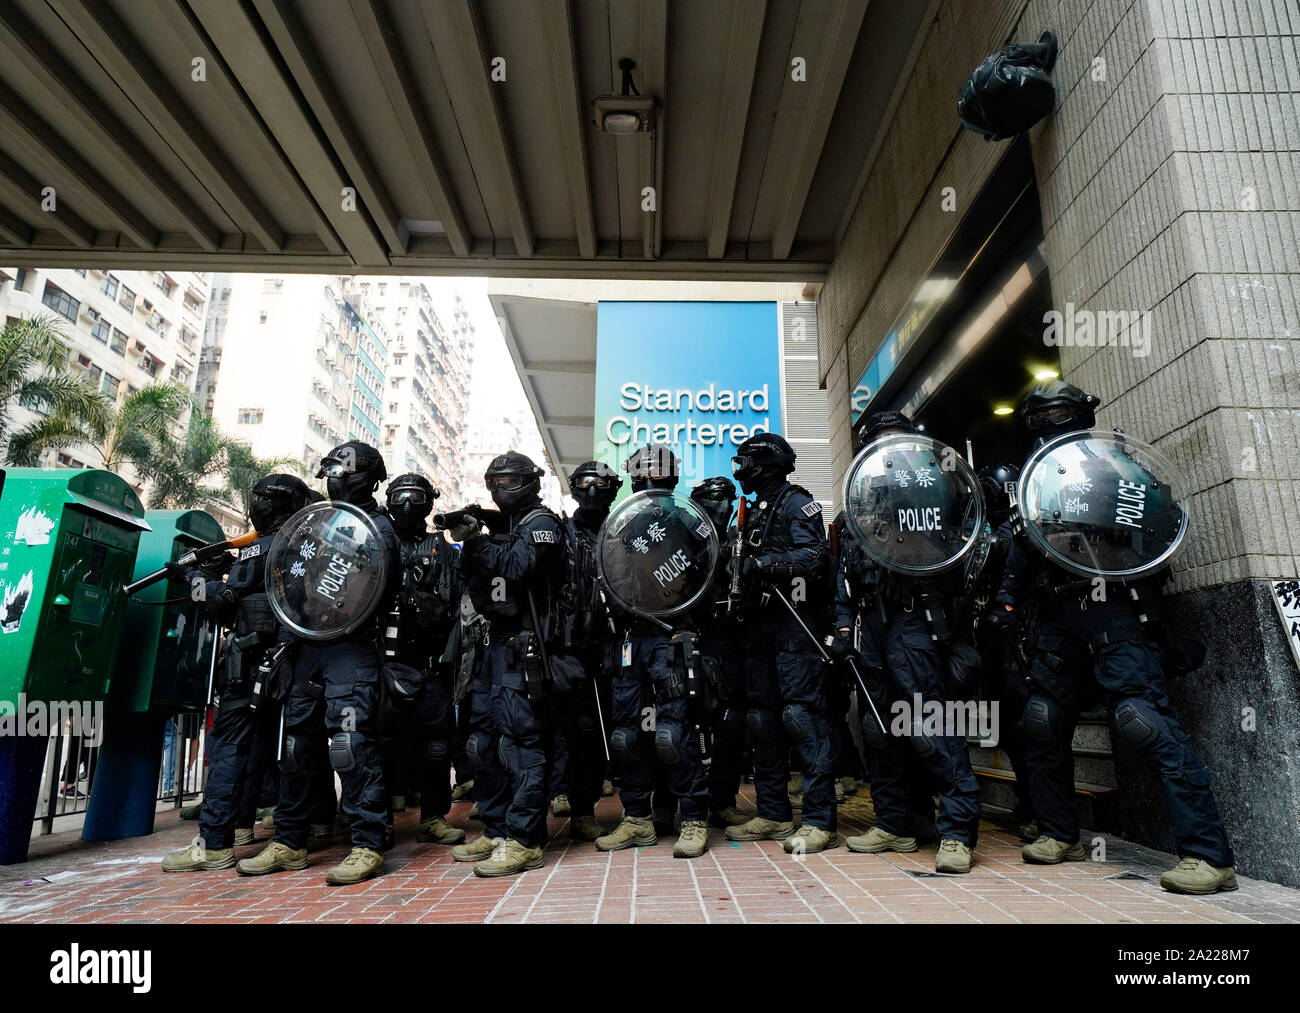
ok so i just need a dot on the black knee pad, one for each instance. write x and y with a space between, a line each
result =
586 724
436 750
760 724
1038 719
477 750
341 751
292 754
1136 726
667 745
923 744
795 728
621 744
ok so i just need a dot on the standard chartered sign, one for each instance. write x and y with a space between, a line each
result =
700 377
712 422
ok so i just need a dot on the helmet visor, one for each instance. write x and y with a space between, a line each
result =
1043 417
506 483
591 482
416 497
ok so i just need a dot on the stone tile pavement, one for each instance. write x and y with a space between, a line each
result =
69 881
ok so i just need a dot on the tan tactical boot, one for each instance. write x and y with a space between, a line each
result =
693 840
875 840
272 858
436 830
1049 851
508 858
585 828
632 832
808 840
560 806
473 811
399 803
197 858
953 857
462 790
476 850
728 817
759 829
268 819
360 865
1196 875
243 836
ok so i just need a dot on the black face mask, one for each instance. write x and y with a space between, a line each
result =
265 515
593 497
409 518
719 511
511 497
356 488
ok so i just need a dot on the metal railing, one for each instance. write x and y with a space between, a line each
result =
68 779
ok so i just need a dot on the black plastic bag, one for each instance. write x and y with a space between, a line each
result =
1010 91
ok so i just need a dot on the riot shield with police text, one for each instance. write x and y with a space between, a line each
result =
326 570
913 504
656 553
1102 504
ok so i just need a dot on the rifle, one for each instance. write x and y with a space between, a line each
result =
493 520
201 556
737 562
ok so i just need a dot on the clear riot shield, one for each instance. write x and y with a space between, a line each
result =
656 553
1102 504
913 504
326 570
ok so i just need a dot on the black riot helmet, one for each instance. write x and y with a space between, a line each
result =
716 497
997 481
513 480
872 426
594 484
1055 407
410 500
654 466
276 498
762 459
352 472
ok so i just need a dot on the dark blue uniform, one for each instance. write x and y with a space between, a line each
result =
902 661
722 642
336 689
241 740
1085 643
784 674
501 571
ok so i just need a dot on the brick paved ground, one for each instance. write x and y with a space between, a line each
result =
71 881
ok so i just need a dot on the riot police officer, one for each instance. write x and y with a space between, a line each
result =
513 577
1086 639
335 695
588 635
240 729
721 642
998 640
785 555
425 611
901 624
650 679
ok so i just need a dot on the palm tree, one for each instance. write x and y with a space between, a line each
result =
129 433
244 468
34 372
181 471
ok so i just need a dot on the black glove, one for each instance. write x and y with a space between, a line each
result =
841 645
177 571
753 568
1003 621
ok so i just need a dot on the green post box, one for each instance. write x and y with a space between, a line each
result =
162 670
68 541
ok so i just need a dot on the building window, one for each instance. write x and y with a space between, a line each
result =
100 331
81 271
59 301
118 344
149 366
164 283
109 288
126 298
20 281
109 384
249 416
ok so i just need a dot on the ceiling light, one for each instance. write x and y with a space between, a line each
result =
1046 374
1003 410
621 123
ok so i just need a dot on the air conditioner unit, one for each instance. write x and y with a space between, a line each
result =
148 306
92 314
